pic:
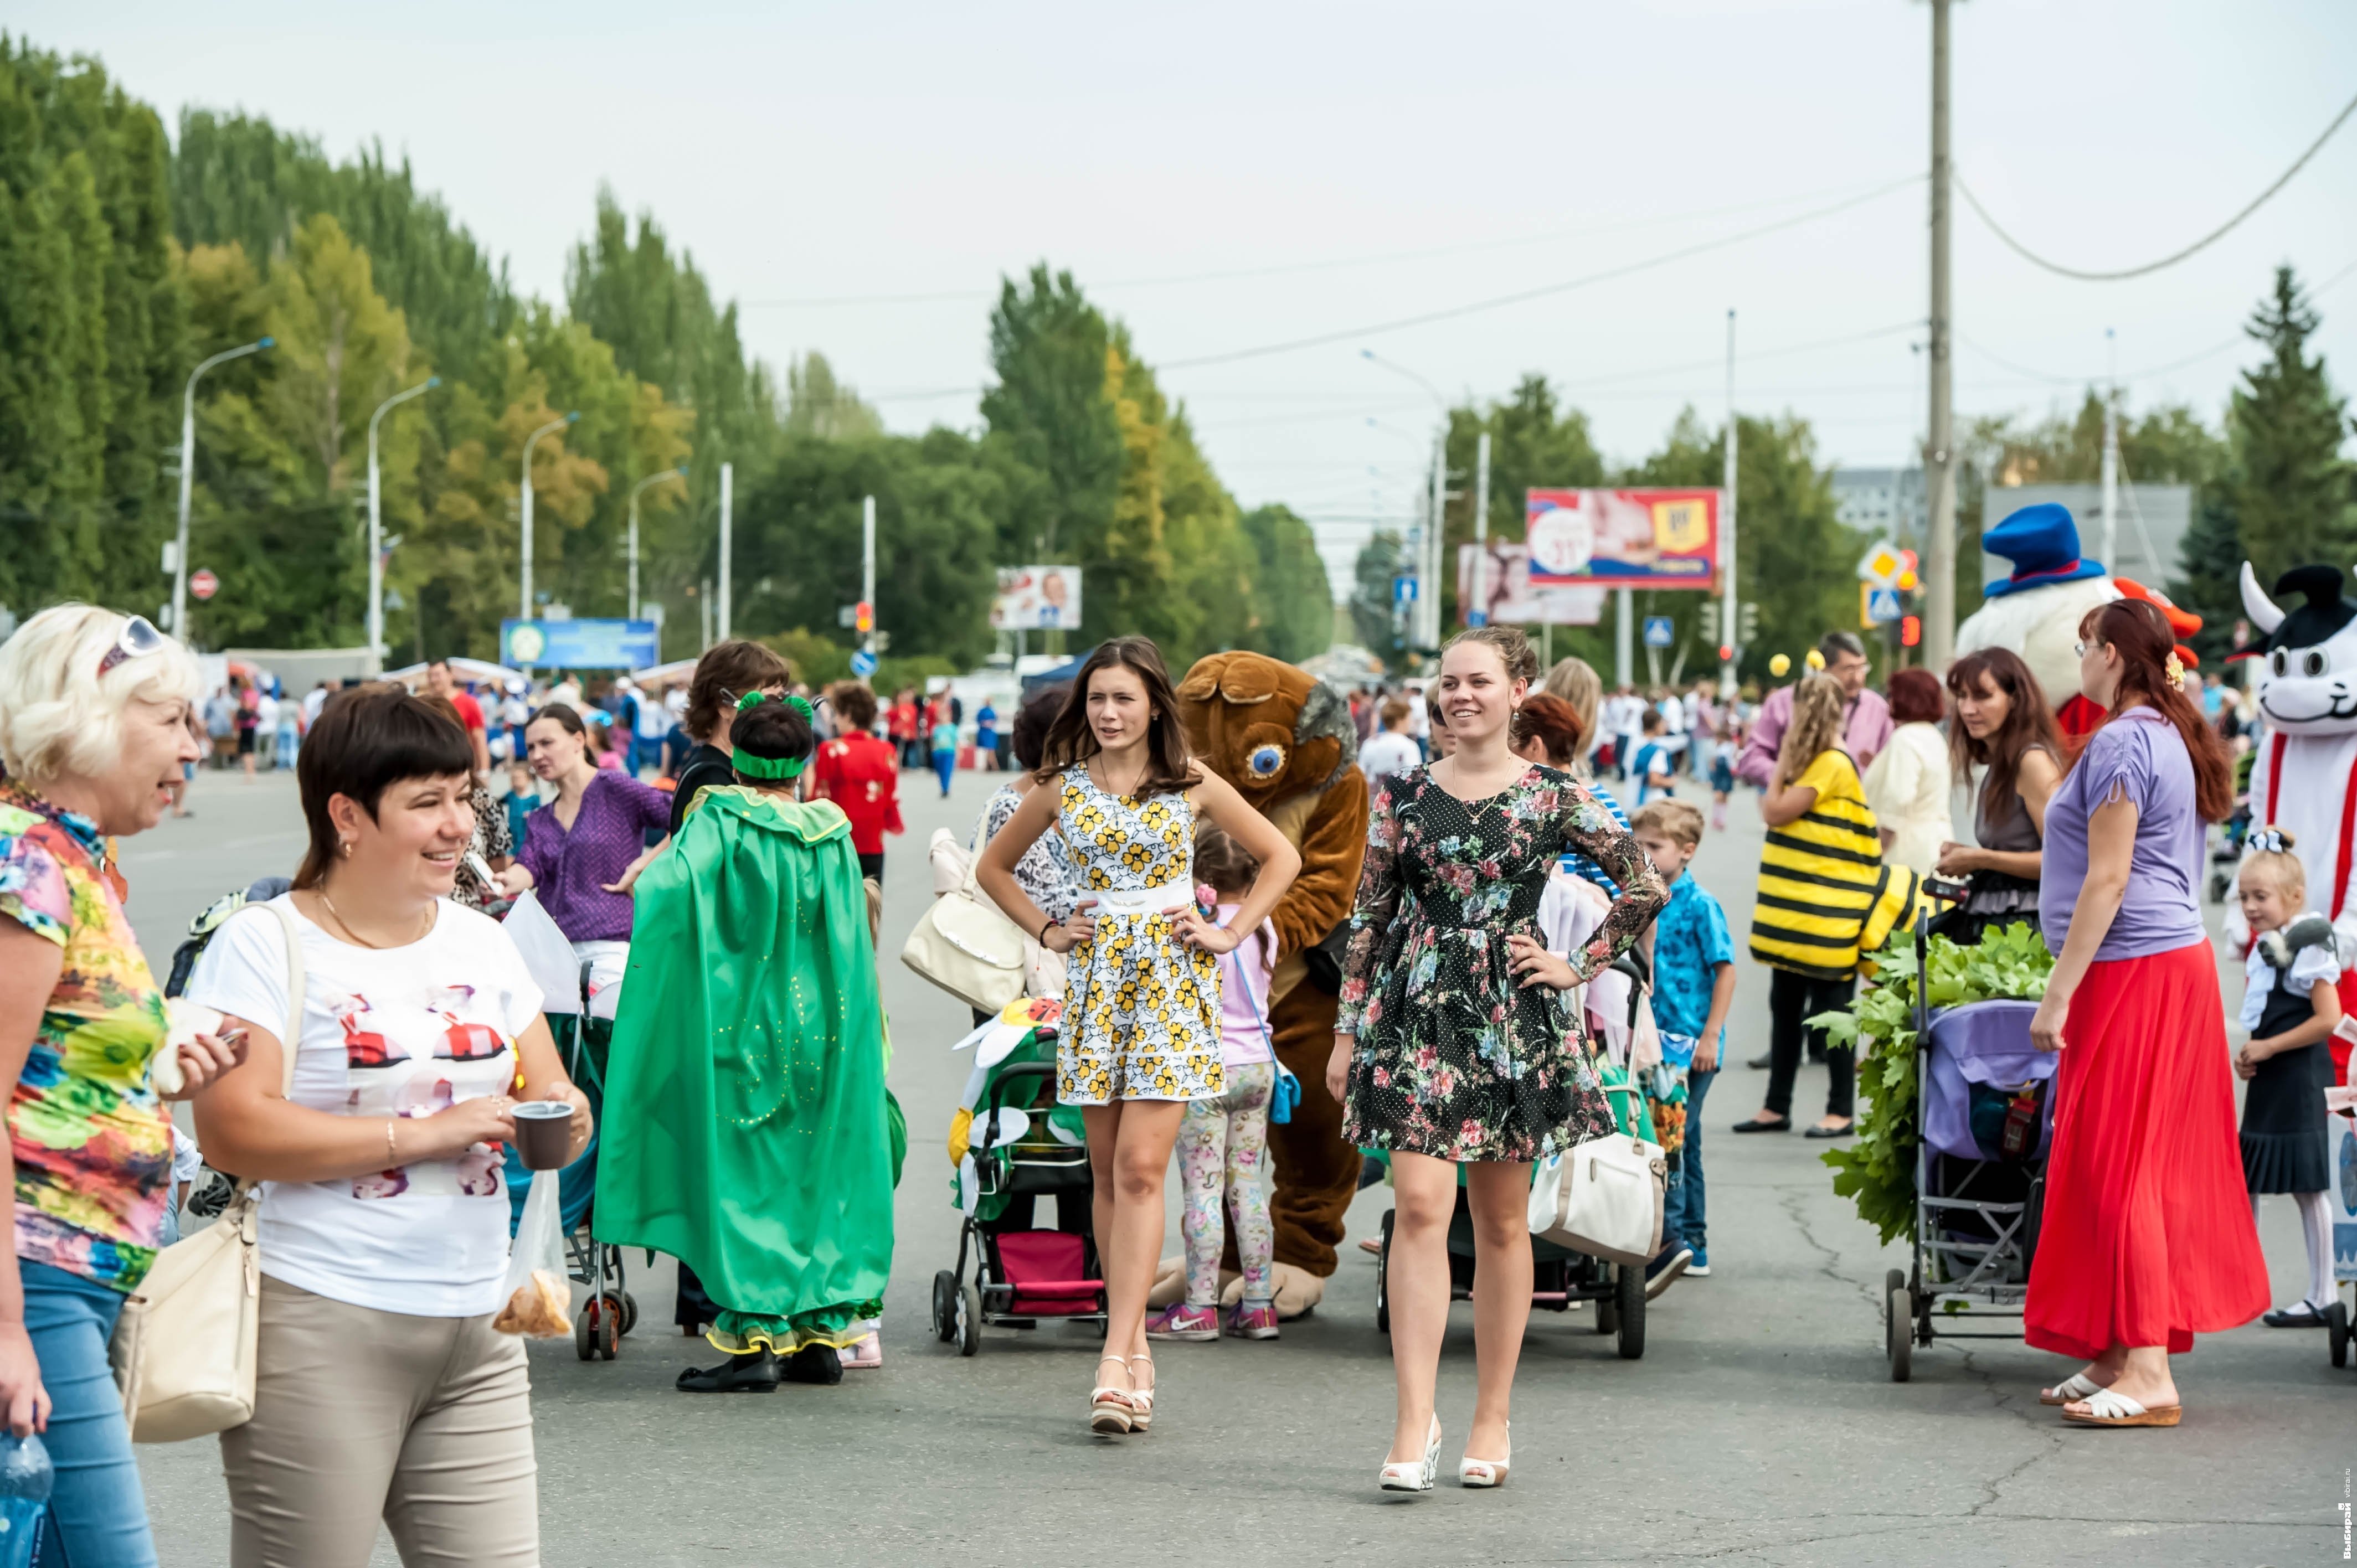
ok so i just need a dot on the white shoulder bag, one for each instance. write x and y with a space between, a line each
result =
1603 1198
966 946
186 1345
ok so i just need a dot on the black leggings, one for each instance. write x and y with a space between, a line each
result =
1791 999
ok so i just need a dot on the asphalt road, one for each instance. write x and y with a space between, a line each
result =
1760 1427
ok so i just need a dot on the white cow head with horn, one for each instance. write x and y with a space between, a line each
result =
2307 673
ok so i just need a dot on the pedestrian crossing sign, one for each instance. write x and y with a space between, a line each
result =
1877 605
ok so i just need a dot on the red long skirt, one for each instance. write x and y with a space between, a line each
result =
2147 1237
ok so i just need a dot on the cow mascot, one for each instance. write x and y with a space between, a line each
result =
2304 777
1286 741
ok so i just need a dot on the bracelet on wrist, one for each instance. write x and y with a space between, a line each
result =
1045 927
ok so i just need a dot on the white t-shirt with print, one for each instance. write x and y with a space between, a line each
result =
1388 753
386 1032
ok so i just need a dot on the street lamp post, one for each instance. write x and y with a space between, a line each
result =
1426 620
530 442
679 473
376 528
188 479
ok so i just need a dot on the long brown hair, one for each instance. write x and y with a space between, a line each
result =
2029 720
1069 742
2141 633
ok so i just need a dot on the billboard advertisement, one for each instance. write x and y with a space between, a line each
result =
1635 539
578 644
1037 599
1514 599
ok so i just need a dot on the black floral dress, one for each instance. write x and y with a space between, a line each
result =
1454 1058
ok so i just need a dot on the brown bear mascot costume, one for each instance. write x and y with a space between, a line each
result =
1286 741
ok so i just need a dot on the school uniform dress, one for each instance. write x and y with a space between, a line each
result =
2147 1237
2285 1145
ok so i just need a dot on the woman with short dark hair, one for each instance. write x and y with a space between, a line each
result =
723 677
1908 784
382 1391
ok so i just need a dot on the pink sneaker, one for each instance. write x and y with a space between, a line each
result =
865 1356
1254 1320
1180 1321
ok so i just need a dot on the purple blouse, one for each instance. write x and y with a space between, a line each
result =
570 870
2140 755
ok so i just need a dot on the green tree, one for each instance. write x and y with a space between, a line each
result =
2293 494
1295 598
1048 348
1380 627
1534 443
818 404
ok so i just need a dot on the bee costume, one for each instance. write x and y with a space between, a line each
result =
1141 1011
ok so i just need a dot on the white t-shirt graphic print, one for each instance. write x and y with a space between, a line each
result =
400 1032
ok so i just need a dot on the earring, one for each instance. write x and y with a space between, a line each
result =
344 846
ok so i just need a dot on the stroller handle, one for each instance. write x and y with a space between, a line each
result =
1013 1072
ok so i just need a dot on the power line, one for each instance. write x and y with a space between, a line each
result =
2169 260
1523 295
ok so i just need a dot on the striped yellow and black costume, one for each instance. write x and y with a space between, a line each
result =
1826 897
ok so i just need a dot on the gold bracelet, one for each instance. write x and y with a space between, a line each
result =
391 1157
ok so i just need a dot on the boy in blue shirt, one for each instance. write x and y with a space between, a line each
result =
1694 987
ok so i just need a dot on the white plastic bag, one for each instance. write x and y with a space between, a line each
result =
538 1299
547 956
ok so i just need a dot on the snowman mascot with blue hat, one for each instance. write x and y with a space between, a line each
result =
2036 610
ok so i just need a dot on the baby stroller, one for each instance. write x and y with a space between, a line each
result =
1561 1278
1013 1145
1985 1124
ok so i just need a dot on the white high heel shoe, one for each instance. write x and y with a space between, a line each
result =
1472 1472
1111 1412
1416 1474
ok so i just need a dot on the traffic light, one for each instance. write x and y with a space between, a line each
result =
1746 624
862 617
1710 620
1911 631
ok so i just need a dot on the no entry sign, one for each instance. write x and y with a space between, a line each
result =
203 583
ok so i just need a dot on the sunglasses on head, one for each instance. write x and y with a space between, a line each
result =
139 639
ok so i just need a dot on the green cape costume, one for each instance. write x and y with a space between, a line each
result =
748 1131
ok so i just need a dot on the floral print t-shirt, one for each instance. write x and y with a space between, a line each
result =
92 1143
1455 1058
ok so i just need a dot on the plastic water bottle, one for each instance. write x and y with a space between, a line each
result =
25 1478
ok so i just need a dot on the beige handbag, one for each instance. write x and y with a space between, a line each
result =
186 1344
966 946
1604 1198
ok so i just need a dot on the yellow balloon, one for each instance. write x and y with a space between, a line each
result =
1817 660
1780 666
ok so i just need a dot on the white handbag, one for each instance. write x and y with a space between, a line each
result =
966 946
1603 1198
186 1345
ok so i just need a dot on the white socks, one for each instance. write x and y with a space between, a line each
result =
2316 1226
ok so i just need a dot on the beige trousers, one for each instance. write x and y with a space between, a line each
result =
360 1414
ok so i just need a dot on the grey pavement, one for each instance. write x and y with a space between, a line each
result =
1760 1427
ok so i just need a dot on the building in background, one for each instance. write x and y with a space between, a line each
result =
1881 503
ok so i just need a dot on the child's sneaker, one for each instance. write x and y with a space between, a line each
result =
1700 1268
1180 1321
1254 1320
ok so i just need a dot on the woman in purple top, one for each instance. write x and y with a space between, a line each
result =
585 849
2146 1237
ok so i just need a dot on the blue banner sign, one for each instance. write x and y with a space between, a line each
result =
578 644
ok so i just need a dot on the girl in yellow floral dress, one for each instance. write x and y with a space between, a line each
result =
1141 1034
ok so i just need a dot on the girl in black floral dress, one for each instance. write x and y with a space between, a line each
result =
1456 1042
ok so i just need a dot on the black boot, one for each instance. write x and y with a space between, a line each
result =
751 1372
814 1364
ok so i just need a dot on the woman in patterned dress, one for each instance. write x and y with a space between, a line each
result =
1456 1044
1141 1034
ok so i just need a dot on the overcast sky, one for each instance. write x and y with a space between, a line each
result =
1227 177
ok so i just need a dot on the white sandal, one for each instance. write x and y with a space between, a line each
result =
1141 1401
1110 1409
1472 1472
2077 1386
1415 1474
2107 1407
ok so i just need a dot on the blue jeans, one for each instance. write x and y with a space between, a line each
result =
946 764
1682 1205
97 1515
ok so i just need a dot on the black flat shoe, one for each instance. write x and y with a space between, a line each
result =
1780 1125
753 1372
1844 1131
2298 1315
814 1364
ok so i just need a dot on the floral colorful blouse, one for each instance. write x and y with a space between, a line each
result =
1455 1058
92 1142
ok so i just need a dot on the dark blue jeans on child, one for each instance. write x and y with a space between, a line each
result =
1682 1206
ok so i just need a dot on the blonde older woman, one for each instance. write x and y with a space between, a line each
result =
1576 683
93 732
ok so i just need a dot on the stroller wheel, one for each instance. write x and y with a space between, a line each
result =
1607 1305
585 1330
1898 1331
969 1320
946 1290
629 1312
2336 1331
1630 1311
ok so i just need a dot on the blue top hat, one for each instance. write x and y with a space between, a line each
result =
2042 543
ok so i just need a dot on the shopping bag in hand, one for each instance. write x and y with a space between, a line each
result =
538 1301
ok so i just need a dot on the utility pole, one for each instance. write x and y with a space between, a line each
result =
679 473
525 576
1478 612
188 479
1939 448
721 614
1726 613
2112 462
1624 650
376 527
1428 594
868 569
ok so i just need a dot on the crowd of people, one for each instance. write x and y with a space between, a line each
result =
360 1043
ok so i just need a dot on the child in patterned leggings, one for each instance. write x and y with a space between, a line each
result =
1223 1141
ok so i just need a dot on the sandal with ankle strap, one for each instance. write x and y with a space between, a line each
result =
1141 1401
1111 1412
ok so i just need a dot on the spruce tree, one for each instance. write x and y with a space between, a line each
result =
2294 493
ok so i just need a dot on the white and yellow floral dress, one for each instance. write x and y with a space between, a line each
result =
1141 1009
